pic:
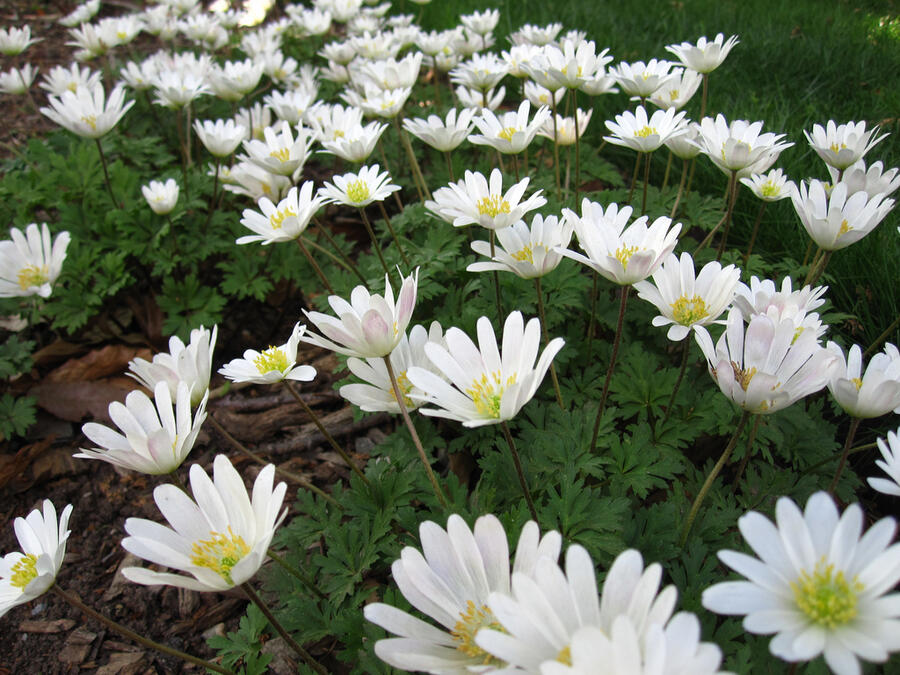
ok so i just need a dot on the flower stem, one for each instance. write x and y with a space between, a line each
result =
328 437
131 635
877 341
390 226
668 168
684 359
540 303
521 474
698 500
820 269
297 574
449 165
732 198
300 480
106 173
743 465
704 96
759 215
646 181
212 200
590 326
851 432
387 168
398 396
347 262
374 239
729 205
634 173
577 150
496 278
296 646
315 265
555 146
414 163
612 365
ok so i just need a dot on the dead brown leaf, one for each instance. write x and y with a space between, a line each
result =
13 466
97 364
74 401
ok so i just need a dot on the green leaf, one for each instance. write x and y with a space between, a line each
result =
15 356
16 415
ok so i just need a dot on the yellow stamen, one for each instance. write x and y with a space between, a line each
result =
743 377
673 95
844 229
32 275
826 597
769 189
525 255
507 133
623 255
273 358
90 120
220 553
565 656
405 387
646 132
487 393
857 382
492 206
358 191
470 622
24 571
338 133
688 311
835 148
282 154
277 218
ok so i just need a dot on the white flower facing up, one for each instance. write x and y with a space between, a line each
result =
738 145
472 98
641 79
17 80
677 90
87 112
161 197
272 365
890 464
624 255
528 252
282 222
762 296
572 64
246 178
539 96
442 134
636 131
706 55
529 34
370 325
61 79
819 584
355 145
220 537
511 132
450 581
685 300
685 146
565 127
290 105
14 40
770 187
377 102
280 153
359 189
29 573
486 386
177 88
481 23
767 367
868 394
874 180
378 394
191 363
836 220
31 262
220 137
476 201
481 72
840 145
81 14
156 438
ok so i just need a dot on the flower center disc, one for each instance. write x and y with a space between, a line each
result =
470 622
825 596
220 553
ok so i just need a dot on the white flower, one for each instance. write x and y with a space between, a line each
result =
249 179
571 64
378 102
842 145
290 105
17 80
511 132
359 189
481 23
86 112
763 297
280 153
770 187
528 252
189 363
284 222
685 300
161 197
529 34
355 145
220 537
677 90
817 585
28 574
16 40
622 255
272 365
539 96
768 366
443 135
836 220
486 387
330 121
369 325
387 74
451 583
61 79
481 72
221 137
634 130
474 200
874 181
565 127
31 262
706 55
686 145
868 394
890 451
155 438
739 145
234 79
81 14
639 78
472 98
177 88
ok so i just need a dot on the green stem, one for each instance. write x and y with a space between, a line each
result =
743 465
646 181
315 265
106 173
519 472
131 635
421 189
390 226
759 215
555 146
712 232
212 201
375 244
732 198
684 359
297 574
851 432
540 303
668 168
449 165
344 261
820 270
577 151
386 168
634 173
496 279
887 331
612 365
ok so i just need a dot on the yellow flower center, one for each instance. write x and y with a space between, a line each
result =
492 206
273 358
90 120
646 132
844 229
565 656
358 191
72 86
282 154
266 188
525 255
32 275
338 133
507 134
470 622
405 387
688 311
825 596
797 333
835 148
673 95
487 392
623 255
277 218
769 189
24 571
220 553
857 382
743 377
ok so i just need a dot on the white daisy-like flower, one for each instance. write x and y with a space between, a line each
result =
870 393
676 91
475 200
271 365
538 36
191 363
874 180
61 79
87 112
220 538
481 23
525 251
161 197
81 14
31 262
565 127
706 55
481 72
485 386
840 145
29 573
17 81
685 300
220 137
762 296
290 106
636 131
624 255
819 584
442 134
280 153
284 222
246 178
355 145
15 40
177 88
375 102
511 132
539 96
890 464
359 189
738 145
641 79
770 187
480 101
450 581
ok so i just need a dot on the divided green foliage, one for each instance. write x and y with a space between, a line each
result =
241 649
